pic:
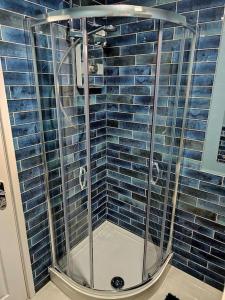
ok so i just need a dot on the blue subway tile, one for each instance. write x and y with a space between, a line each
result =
24 8
14 35
20 51
144 25
137 49
191 5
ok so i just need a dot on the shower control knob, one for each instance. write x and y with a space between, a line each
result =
93 68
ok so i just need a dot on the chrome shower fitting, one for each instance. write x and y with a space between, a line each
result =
106 28
101 33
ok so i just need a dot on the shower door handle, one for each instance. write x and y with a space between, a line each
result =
82 173
156 165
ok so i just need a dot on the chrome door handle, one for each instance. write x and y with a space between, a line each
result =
156 165
82 173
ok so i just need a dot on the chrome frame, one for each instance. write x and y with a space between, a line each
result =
173 125
151 162
88 144
118 10
58 109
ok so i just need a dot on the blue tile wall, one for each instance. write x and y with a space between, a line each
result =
200 220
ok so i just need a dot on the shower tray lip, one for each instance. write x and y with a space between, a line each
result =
73 289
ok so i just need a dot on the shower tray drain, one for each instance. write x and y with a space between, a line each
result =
117 283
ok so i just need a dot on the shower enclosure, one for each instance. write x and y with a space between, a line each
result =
112 83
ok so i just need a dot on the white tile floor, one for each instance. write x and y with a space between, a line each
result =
174 281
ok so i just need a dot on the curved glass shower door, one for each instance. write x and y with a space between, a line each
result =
62 108
74 151
113 100
166 134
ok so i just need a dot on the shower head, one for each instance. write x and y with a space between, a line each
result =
110 28
105 28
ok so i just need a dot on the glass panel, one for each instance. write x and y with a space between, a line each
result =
43 53
130 63
66 153
169 121
97 109
154 227
166 139
74 155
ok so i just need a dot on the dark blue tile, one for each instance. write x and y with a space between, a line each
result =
25 129
131 228
134 126
120 61
22 105
209 42
187 269
14 35
111 71
202 176
205 271
211 14
24 8
137 49
120 80
13 78
145 25
9 18
215 189
19 51
20 65
135 90
144 80
191 5
28 152
122 40
214 283
135 70
26 117
206 55
145 37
